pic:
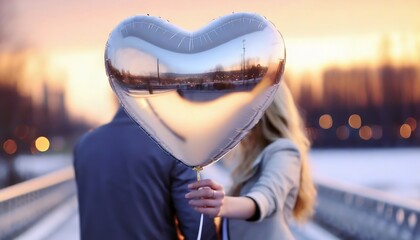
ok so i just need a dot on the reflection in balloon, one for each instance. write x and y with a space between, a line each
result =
195 93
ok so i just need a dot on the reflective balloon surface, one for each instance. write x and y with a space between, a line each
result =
195 93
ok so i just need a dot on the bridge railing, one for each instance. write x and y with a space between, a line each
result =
360 213
348 212
21 205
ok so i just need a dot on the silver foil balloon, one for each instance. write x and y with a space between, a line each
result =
198 93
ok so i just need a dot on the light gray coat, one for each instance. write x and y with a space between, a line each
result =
274 187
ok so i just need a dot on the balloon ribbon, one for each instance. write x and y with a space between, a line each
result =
198 170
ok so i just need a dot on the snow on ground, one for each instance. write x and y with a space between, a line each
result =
394 170
30 166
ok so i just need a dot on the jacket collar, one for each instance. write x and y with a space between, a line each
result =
121 115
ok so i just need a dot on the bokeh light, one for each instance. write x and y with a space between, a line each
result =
22 132
412 122
58 143
377 132
325 121
355 121
10 146
365 133
42 144
343 133
405 131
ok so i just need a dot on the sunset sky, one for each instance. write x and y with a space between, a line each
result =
70 36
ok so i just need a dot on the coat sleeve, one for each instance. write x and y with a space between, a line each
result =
280 173
188 219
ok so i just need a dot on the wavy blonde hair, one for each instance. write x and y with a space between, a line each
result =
280 120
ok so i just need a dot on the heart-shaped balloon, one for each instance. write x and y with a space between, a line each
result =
195 93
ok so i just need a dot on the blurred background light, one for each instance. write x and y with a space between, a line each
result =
412 122
10 146
343 132
365 133
355 121
325 121
405 131
42 144
376 132
22 132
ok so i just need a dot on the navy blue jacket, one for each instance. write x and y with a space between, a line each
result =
129 188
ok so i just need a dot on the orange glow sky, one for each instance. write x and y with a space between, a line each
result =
71 35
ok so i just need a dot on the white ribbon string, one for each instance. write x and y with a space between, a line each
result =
200 228
198 169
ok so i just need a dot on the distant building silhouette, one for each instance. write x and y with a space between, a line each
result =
384 98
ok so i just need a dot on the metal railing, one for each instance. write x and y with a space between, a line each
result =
348 212
23 204
360 213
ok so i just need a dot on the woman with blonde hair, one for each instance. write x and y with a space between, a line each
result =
272 181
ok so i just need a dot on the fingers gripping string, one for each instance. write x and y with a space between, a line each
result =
198 170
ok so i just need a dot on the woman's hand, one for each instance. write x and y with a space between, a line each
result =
207 197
